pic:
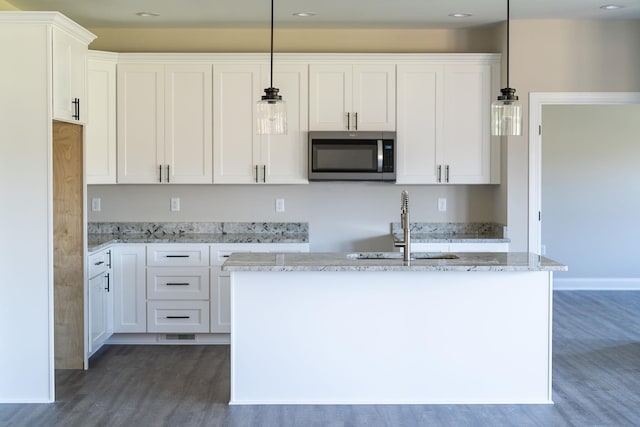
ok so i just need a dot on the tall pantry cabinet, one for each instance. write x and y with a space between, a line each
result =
35 91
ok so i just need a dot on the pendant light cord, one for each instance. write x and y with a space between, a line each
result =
271 76
508 19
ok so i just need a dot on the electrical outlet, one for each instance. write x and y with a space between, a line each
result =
279 205
442 205
175 204
95 204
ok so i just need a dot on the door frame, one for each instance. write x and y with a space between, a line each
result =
536 101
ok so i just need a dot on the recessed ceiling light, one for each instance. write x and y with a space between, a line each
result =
304 14
460 15
147 14
611 7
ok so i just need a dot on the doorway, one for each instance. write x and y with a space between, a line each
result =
580 186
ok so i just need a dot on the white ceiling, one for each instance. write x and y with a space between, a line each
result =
329 13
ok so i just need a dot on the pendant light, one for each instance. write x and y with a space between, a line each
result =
506 111
271 109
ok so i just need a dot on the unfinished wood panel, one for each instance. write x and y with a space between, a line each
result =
68 253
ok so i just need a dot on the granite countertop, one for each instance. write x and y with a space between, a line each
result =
465 261
452 233
102 235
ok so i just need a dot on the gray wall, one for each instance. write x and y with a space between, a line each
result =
591 189
342 216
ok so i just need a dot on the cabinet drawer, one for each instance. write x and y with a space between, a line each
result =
99 263
178 316
178 283
177 255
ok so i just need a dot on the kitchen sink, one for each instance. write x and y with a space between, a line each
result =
398 255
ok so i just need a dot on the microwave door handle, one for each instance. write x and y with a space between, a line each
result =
380 155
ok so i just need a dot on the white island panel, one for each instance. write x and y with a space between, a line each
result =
363 337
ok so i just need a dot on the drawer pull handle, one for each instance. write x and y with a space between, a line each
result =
178 317
176 256
177 284
99 263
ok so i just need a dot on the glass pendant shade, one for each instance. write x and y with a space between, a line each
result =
271 116
506 114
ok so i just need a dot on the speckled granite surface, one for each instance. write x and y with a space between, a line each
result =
103 234
451 232
478 261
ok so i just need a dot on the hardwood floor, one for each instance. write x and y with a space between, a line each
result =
596 357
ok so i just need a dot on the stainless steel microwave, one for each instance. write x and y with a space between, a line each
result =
352 156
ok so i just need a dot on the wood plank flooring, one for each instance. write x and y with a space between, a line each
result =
596 357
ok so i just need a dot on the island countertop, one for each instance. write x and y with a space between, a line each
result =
330 261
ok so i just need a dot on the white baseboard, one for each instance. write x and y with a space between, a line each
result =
596 284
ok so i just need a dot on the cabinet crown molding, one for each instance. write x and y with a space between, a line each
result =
309 57
51 18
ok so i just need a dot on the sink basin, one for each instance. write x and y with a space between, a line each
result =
398 255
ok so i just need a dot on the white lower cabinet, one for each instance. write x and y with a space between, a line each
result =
100 296
178 288
129 289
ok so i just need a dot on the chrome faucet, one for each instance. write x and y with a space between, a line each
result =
404 220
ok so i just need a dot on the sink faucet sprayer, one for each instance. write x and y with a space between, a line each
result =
404 220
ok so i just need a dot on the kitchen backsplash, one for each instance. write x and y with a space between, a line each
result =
176 228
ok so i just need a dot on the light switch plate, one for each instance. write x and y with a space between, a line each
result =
175 204
95 204
442 205
279 205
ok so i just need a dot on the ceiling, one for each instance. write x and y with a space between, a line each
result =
328 13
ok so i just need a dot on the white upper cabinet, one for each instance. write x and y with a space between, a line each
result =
352 97
69 76
241 156
443 124
164 123
284 157
237 89
100 131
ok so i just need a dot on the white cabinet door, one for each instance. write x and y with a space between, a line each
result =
330 96
352 97
140 123
188 124
130 307
164 124
284 157
467 141
374 97
100 299
69 77
98 311
420 90
100 131
443 124
237 89
220 300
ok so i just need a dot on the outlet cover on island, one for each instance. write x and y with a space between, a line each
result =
442 205
175 204
279 205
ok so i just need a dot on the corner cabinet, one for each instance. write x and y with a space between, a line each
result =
443 129
352 97
241 156
164 123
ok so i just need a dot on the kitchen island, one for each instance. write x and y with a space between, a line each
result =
331 328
